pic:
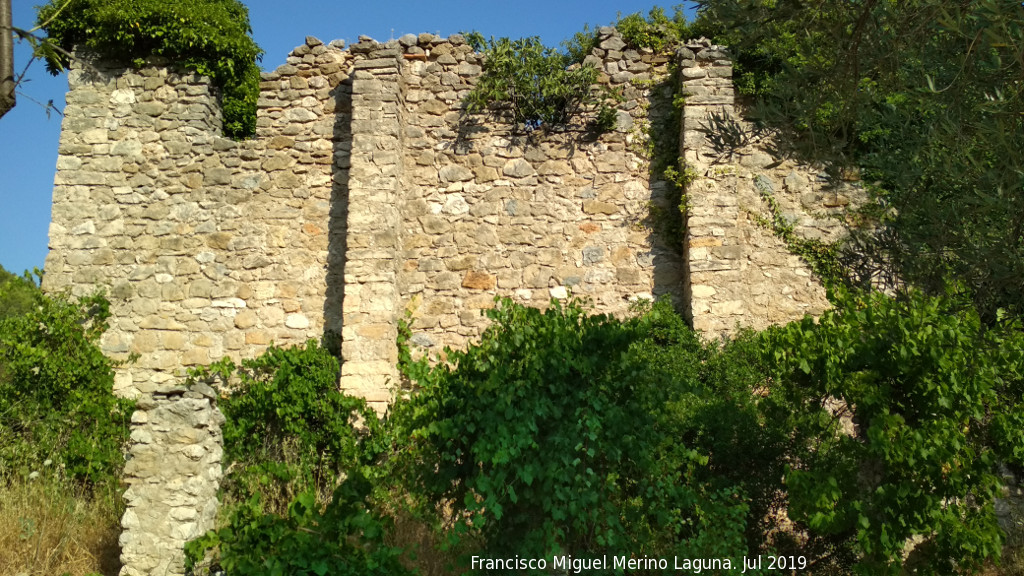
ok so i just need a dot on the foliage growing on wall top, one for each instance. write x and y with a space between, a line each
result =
533 86
210 37
655 31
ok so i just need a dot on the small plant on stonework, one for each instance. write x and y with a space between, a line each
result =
660 142
822 257
607 118
581 44
530 85
655 31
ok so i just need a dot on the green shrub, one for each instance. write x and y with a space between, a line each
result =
655 31
16 294
56 389
298 454
530 85
210 37
288 427
556 434
934 399
345 538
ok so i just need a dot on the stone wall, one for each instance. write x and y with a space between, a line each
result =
367 194
207 247
173 472
211 247
738 271
487 212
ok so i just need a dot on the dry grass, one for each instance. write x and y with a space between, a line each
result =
49 528
422 546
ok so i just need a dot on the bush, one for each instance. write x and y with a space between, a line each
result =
655 31
932 401
56 390
298 453
344 538
210 37
288 428
555 435
16 294
835 442
530 85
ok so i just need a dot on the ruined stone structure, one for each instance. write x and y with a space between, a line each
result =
173 473
367 193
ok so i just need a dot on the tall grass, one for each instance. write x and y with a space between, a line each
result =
49 527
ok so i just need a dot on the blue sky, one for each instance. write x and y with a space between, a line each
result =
28 139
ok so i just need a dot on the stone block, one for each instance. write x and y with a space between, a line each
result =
598 207
476 280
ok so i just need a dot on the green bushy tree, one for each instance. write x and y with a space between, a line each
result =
210 37
299 456
288 427
923 98
344 538
56 387
16 294
560 433
932 400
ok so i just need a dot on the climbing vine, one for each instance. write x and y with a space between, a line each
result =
822 257
658 141
209 37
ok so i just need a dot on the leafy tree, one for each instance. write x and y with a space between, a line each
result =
210 37
56 388
932 403
17 295
924 99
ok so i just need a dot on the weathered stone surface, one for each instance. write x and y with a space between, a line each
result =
517 168
598 207
478 280
173 474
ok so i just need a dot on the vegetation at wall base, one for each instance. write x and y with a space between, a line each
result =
209 37
48 525
297 498
56 388
837 440
62 434
525 435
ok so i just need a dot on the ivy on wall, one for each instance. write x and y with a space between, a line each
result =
209 37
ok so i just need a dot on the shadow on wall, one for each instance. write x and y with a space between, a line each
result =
337 226
666 219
